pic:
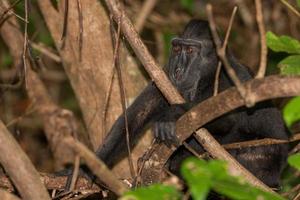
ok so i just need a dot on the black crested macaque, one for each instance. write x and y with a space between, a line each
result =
191 68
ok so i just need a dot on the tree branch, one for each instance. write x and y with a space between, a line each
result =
97 166
57 122
217 151
267 88
19 167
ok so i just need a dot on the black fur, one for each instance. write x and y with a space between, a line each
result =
191 68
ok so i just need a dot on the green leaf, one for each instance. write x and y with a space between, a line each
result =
294 160
298 3
157 191
282 43
291 111
233 189
201 176
188 4
290 65
198 177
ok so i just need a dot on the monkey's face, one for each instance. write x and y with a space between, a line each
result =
191 62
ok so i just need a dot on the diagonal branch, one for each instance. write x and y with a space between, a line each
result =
19 167
212 146
97 166
155 72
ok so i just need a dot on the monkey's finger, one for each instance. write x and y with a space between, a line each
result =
162 135
156 131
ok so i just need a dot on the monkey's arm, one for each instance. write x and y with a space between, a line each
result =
149 105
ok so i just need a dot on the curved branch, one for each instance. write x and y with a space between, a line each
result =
267 88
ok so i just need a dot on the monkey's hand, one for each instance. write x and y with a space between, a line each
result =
165 131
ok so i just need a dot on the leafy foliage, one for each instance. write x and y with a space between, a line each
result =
188 4
298 3
157 191
294 161
201 176
191 171
283 43
290 65
291 111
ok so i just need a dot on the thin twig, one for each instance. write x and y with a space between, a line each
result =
261 142
80 19
111 78
9 9
217 75
217 151
144 158
45 51
65 25
289 6
257 143
144 13
123 96
216 84
25 46
9 12
249 101
188 147
263 45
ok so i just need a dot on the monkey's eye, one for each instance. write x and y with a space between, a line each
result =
176 49
189 50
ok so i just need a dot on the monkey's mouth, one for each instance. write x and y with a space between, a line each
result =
178 73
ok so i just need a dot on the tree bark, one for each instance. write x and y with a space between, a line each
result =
90 76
